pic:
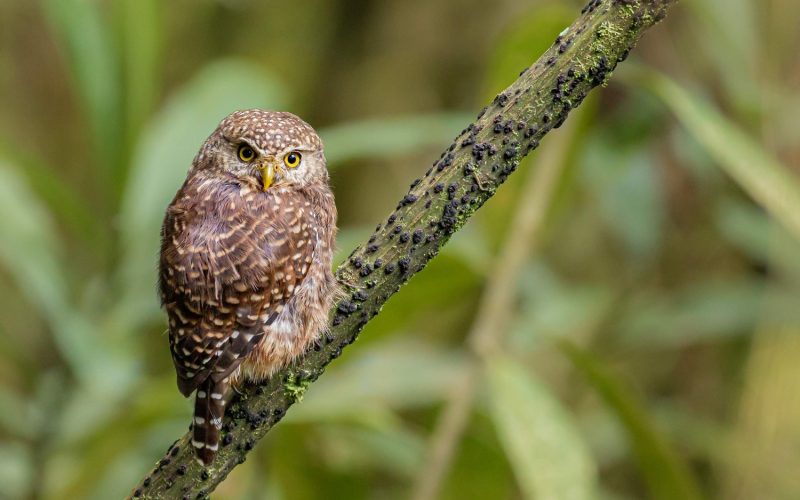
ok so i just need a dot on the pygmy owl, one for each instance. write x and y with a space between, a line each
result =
245 267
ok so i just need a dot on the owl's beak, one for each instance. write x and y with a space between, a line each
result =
268 173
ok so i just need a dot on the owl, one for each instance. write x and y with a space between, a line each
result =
245 265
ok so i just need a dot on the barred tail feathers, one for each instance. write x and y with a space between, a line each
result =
209 408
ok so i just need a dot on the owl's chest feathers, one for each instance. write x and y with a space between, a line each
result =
235 233
232 240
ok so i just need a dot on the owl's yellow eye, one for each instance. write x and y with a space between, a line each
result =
246 153
292 159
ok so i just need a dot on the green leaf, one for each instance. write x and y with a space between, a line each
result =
140 27
29 247
546 451
624 179
17 416
551 308
388 375
31 253
62 200
766 180
93 65
389 136
732 46
357 449
747 226
471 246
699 312
666 474
161 160
16 470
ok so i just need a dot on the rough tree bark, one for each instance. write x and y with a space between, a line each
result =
467 174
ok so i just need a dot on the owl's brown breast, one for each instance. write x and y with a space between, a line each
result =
232 257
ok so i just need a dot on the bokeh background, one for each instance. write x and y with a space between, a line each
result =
638 279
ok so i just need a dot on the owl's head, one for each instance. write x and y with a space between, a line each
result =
269 148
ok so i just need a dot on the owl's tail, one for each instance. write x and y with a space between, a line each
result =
209 408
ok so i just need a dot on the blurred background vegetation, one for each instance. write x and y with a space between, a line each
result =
638 278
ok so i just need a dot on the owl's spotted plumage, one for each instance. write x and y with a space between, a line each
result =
245 267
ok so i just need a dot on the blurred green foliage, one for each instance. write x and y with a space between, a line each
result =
652 347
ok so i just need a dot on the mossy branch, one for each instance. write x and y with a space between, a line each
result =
467 174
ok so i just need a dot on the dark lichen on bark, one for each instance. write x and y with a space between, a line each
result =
467 174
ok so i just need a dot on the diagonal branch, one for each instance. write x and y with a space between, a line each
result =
467 174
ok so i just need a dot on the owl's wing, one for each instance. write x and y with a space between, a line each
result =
225 275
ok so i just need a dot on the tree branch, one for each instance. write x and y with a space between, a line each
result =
466 175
